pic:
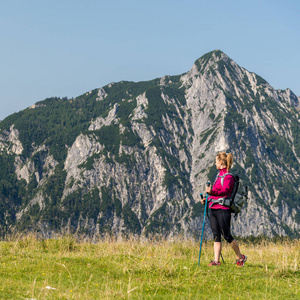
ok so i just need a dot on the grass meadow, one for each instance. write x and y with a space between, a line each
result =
72 268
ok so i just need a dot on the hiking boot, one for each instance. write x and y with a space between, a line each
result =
241 262
214 263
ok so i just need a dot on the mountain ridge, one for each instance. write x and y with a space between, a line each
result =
132 157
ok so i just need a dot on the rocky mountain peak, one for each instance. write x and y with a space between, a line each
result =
132 158
211 60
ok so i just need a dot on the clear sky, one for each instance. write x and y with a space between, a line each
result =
65 48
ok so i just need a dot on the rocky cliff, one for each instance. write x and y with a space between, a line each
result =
132 158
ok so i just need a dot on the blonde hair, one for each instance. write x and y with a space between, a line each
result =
226 159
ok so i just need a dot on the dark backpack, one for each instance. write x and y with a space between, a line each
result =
238 195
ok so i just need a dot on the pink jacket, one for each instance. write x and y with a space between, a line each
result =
219 191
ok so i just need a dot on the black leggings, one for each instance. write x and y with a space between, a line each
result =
220 224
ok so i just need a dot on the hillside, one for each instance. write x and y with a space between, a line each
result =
132 158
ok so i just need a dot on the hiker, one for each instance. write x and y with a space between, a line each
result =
220 216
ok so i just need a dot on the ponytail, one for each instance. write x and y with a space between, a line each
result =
229 161
226 159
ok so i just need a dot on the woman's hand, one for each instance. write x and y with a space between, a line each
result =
202 201
208 190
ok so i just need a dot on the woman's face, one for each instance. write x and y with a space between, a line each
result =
219 164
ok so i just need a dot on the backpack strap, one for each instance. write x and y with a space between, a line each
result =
222 177
217 176
221 201
214 201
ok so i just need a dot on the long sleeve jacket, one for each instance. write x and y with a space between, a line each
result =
219 191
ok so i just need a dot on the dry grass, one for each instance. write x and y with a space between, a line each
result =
71 268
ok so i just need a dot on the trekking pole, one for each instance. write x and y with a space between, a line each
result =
207 184
222 257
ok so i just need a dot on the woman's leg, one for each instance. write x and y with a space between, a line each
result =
234 245
216 232
217 250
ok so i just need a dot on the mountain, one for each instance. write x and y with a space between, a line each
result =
132 158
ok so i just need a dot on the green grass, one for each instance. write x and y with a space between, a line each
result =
133 269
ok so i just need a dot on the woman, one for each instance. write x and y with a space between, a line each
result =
220 215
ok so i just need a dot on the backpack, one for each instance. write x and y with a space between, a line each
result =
238 195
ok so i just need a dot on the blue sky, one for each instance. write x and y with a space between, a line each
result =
65 48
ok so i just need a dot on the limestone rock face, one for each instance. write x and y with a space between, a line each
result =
134 157
9 141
